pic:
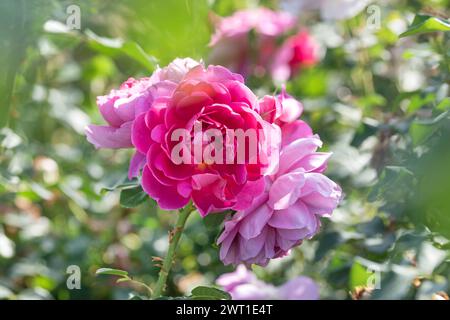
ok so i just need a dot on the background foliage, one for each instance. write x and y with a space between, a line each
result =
380 103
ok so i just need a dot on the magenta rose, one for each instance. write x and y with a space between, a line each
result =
210 99
289 211
120 107
233 45
242 284
297 52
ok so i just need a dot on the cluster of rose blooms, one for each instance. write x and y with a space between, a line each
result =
261 41
277 204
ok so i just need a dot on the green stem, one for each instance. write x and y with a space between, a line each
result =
173 243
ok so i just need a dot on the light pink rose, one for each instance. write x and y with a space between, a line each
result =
289 210
246 41
300 288
242 284
120 107
296 52
212 98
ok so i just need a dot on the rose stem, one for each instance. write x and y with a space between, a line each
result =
173 243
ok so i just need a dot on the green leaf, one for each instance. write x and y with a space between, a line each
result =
328 241
391 185
396 284
426 24
359 276
213 221
418 101
443 105
371 228
132 197
123 184
118 46
422 130
112 272
208 293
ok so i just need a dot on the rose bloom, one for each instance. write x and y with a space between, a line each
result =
242 284
246 41
289 210
281 109
120 107
213 98
297 52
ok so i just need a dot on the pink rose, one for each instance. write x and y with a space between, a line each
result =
282 109
210 99
296 52
300 288
231 43
288 212
120 107
242 284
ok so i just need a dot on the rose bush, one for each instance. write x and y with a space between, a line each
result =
278 198
183 122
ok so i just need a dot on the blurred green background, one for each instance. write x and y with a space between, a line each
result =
380 103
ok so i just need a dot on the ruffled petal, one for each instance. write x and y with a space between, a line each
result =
141 135
295 130
296 216
167 197
320 194
110 137
285 191
296 151
252 225
136 164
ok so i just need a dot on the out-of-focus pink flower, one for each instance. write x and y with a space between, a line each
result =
242 284
246 41
120 107
264 21
212 98
229 281
296 52
301 288
288 212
